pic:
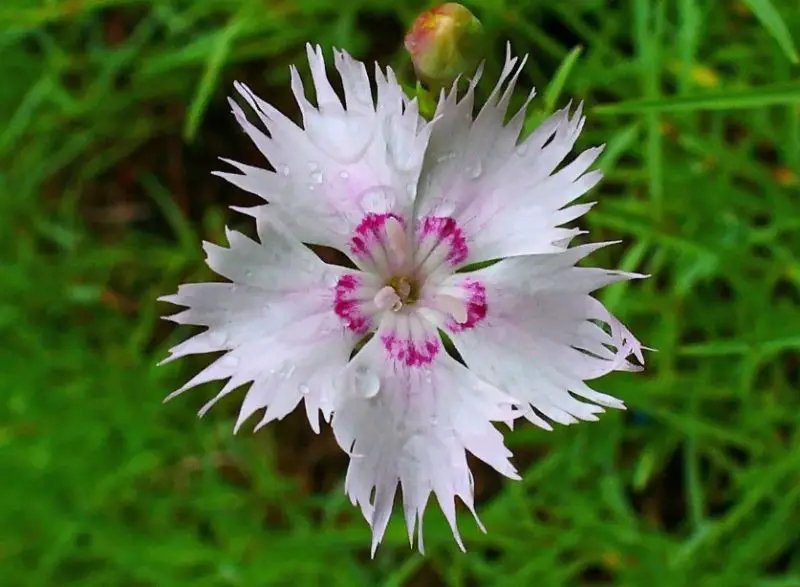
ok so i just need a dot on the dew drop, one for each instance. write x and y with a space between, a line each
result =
217 338
311 187
326 132
286 370
366 383
434 421
475 170
378 199
332 279
316 177
522 149
248 274
344 174
303 389
284 170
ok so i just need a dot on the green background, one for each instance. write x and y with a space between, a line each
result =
112 115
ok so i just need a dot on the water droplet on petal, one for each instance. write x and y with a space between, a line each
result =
522 149
434 421
366 383
283 371
343 136
311 187
316 177
248 273
475 170
284 170
303 389
378 199
344 174
217 338
286 370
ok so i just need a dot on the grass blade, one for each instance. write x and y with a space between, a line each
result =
720 100
556 86
768 15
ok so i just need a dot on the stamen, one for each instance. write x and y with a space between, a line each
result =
403 288
398 240
453 306
387 298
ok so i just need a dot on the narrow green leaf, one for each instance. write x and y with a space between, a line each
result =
631 261
401 574
784 93
555 87
618 145
723 348
214 64
768 15
689 37
179 223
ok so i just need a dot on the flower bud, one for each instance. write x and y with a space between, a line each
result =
445 42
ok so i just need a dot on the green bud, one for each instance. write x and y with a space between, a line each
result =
445 42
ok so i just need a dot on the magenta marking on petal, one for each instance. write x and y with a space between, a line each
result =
358 246
446 230
370 231
409 352
347 283
476 306
348 309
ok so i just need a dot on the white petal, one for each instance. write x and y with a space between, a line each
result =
345 162
408 414
506 197
277 322
535 332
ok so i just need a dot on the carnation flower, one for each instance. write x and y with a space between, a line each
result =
415 205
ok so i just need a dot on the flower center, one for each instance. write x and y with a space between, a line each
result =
405 287
404 258
399 291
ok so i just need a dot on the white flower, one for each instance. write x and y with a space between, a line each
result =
411 202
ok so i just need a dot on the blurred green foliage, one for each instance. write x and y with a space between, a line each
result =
112 113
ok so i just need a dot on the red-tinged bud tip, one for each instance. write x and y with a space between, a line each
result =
445 42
